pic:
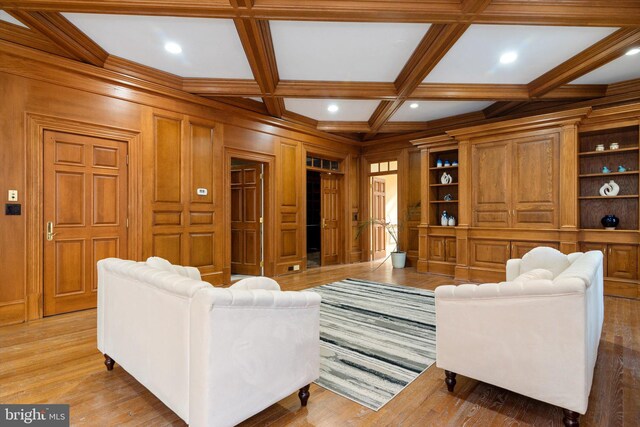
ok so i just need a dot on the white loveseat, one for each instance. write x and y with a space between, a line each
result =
214 356
535 336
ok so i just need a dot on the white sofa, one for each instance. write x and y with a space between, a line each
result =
214 356
536 334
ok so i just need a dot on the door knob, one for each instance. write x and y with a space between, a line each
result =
50 232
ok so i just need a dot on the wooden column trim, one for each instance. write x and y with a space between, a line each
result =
569 176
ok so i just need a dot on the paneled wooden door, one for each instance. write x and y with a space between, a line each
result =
330 206
246 219
85 215
378 213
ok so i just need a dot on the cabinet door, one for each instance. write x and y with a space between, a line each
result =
622 261
490 253
491 188
436 248
450 250
602 247
535 182
519 249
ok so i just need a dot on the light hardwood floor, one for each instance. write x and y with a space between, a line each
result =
55 360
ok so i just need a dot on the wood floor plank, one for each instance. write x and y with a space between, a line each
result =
55 360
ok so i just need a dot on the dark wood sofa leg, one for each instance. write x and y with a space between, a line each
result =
109 362
571 418
450 380
304 394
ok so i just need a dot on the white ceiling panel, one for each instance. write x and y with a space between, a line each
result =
318 109
210 47
626 67
343 51
432 110
4 16
475 58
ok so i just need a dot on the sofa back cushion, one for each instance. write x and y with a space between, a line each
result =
535 274
546 258
584 268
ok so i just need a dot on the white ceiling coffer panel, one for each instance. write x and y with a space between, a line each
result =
4 16
343 51
512 53
423 111
627 67
202 47
332 109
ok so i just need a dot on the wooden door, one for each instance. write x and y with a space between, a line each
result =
437 250
246 216
491 184
622 261
602 247
450 249
85 216
535 182
330 206
378 214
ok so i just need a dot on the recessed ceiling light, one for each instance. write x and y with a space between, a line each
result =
508 57
633 51
414 105
172 47
333 108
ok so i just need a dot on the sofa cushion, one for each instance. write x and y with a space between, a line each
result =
160 264
547 258
583 268
535 274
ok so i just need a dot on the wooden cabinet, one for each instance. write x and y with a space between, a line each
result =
442 249
519 249
515 182
622 261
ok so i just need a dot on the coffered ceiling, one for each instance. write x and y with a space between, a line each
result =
362 69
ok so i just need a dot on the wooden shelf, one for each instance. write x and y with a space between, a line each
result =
593 175
629 196
600 153
442 201
443 167
453 184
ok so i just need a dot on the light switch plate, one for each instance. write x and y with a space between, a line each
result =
13 196
202 191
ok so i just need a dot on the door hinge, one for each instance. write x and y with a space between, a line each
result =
127 159
261 220
127 223
261 176
261 263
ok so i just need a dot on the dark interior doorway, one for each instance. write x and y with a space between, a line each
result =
314 219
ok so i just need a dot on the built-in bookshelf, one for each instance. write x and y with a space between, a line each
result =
437 190
592 160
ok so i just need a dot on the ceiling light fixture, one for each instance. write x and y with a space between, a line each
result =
633 51
333 108
508 57
172 47
414 105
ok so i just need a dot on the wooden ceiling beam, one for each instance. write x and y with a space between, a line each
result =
255 36
222 87
344 127
30 38
64 34
332 89
606 50
541 12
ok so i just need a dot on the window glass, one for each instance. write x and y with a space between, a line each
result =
334 165
374 167
309 161
316 162
393 165
384 166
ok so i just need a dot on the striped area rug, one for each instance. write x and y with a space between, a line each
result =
375 339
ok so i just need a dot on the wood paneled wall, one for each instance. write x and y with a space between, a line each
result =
180 148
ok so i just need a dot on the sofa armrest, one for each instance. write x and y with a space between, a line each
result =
513 269
250 349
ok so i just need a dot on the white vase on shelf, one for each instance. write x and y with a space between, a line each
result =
609 189
446 178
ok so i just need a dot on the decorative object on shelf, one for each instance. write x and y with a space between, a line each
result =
600 147
448 197
447 163
446 178
605 169
444 219
609 189
452 221
454 163
614 146
622 169
439 163
609 222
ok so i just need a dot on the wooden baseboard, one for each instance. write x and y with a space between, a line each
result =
12 313
619 288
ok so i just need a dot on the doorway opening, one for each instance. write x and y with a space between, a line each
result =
247 218
384 209
314 219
